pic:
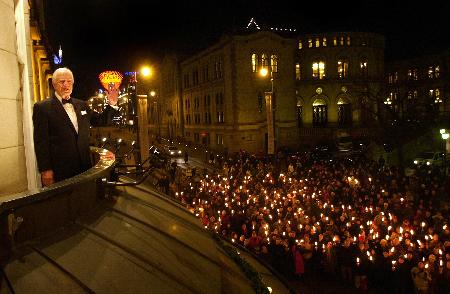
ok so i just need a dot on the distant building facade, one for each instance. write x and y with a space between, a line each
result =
419 86
322 85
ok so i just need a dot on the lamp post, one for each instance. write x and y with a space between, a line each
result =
444 136
136 113
154 96
270 112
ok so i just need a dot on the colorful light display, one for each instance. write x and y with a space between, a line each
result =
111 79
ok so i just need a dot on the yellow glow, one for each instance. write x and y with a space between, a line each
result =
146 71
264 71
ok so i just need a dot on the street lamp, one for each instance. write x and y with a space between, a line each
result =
270 112
134 113
444 136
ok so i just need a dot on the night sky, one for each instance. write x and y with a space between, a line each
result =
97 35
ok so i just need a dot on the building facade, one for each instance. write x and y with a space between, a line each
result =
320 85
420 86
338 78
221 99
24 80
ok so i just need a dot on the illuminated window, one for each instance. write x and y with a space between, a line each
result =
298 75
324 42
335 42
300 45
412 74
274 62
310 43
318 69
317 42
364 69
430 72
342 68
341 41
254 62
409 96
348 41
433 72
436 71
264 61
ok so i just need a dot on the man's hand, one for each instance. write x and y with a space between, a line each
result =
47 178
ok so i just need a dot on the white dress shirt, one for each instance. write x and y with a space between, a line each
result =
70 110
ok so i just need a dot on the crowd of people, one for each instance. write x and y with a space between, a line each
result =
355 218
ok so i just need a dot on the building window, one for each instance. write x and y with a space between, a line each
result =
298 75
219 139
393 77
317 42
310 43
196 137
435 95
300 45
344 113
264 61
335 41
324 42
364 68
218 70
412 74
299 114
319 113
342 69
349 41
205 73
188 119
254 62
433 72
318 69
274 62
220 117
341 41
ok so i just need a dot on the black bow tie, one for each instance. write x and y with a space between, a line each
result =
64 101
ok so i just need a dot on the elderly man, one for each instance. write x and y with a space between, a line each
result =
61 130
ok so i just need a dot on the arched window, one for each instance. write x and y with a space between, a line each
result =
274 62
319 113
254 62
264 61
344 112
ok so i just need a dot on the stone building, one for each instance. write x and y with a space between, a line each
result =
26 71
415 85
321 84
338 76
221 96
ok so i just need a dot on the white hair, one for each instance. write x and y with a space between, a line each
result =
59 71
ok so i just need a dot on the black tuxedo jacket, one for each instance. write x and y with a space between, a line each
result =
57 145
